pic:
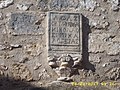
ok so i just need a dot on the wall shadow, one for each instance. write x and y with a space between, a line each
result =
85 36
8 83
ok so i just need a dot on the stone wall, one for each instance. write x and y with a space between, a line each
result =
23 49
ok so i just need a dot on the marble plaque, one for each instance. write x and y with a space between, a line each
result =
64 32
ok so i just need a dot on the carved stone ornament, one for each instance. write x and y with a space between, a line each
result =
64 39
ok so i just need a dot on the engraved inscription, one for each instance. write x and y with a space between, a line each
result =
64 31
24 24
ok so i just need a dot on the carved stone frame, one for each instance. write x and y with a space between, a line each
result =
57 60
47 35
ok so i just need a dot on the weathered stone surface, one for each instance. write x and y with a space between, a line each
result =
65 4
1 15
95 58
64 64
33 49
1 73
105 65
44 75
90 5
73 4
62 79
2 47
113 48
99 24
5 3
21 72
64 32
23 6
3 67
9 46
113 73
115 5
65 79
24 23
96 45
23 60
42 4
53 64
37 66
103 43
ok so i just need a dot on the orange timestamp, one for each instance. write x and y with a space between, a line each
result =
84 84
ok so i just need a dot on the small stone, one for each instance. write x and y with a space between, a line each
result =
5 3
15 46
37 66
53 64
29 78
44 75
113 49
62 79
98 14
114 60
103 17
103 10
115 8
98 4
1 16
44 70
90 5
114 73
69 80
23 6
25 59
118 20
91 9
62 67
106 23
8 15
42 4
57 71
76 62
40 83
21 72
52 58
65 58
105 64
75 58
1 73
65 79
90 73
64 64
3 67
65 71
2 47
115 5
62 59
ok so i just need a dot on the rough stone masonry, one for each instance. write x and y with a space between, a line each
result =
51 43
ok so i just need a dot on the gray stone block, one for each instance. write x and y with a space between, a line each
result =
65 33
24 23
